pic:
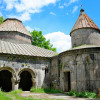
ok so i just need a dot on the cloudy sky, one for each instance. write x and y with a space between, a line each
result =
55 18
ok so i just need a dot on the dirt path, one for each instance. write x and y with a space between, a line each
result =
50 96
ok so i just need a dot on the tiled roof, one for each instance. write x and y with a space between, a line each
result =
12 24
84 22
24 49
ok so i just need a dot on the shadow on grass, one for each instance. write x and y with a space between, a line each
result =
45 90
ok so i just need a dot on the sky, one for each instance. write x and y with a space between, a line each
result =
55 18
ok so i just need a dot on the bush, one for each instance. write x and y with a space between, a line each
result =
84 94
45 90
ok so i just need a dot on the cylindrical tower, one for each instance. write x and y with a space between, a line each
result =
85 31
12 30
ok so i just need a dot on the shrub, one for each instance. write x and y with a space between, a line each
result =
45 90
84 94
71 93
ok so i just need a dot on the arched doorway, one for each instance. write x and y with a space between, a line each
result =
5 80
25 81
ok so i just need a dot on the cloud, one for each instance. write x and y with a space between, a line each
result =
61 7
36 28
70 2
59 40
31 29
27 7
10 4
32 4
23 17
52 13
75 9
1 14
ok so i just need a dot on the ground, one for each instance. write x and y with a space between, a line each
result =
43 96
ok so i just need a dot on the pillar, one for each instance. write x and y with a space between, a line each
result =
34 82
15 83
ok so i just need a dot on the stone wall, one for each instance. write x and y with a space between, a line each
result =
55 72
85 36
35 65
15 37
84 68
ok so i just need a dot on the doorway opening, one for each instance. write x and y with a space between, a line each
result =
67 83
25 81
5 80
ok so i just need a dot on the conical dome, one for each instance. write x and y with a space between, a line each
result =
84 22
85 31
13 30
13 24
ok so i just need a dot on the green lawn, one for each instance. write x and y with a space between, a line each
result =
46 90
14 95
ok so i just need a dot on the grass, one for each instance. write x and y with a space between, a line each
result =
16 92
46 90
84 94
3 96
15 96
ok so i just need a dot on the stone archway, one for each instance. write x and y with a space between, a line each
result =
6 74
27 79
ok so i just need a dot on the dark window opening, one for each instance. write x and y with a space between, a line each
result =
59 68
5 80
25 81
46 71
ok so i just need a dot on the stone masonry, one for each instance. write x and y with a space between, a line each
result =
23 65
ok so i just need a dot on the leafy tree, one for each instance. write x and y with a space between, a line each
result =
39 40
1 19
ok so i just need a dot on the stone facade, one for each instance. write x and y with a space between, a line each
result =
84 68
23 65
17 64
79 68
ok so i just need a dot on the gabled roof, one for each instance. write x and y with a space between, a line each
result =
84 22
24 49
13 24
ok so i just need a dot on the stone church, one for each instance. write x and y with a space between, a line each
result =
23 65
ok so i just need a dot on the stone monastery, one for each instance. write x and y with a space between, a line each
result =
23 65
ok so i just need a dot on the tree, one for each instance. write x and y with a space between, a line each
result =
39 40
1 19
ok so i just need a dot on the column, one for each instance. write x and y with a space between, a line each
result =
15 83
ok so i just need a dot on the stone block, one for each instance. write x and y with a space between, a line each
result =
81 73
81 86
92 86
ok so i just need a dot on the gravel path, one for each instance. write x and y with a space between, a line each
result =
51 96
